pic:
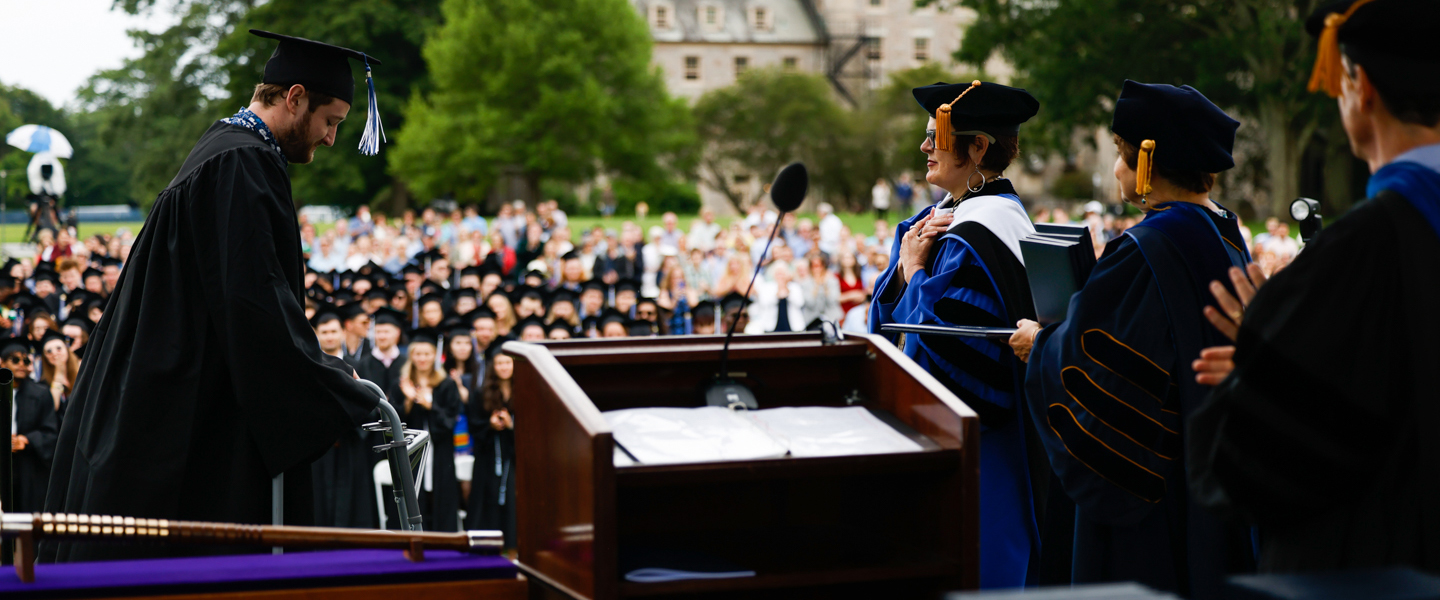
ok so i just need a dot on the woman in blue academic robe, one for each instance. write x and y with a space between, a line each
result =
1110 389
958 263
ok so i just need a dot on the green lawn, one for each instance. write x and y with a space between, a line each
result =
12 232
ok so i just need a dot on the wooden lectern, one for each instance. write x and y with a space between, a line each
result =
892 525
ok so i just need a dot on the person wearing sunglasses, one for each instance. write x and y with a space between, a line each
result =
34 428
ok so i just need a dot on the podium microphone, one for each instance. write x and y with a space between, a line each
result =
787 192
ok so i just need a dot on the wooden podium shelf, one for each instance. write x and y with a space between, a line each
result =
833 527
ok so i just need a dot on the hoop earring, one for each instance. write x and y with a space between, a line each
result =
975 190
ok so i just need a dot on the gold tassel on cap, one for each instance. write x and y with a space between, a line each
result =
1328 67
943 128
1144 168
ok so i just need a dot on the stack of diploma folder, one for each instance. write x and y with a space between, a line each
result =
1058 260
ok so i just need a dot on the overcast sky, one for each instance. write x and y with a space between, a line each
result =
53 46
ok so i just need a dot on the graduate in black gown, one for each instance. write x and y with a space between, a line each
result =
343 477
203 380
382 365
427 399
36 425
1111 388
1324 433
492 433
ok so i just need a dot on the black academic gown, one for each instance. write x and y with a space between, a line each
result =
203 380
370 368
1110 390
492 487
1324 433
344 478
35 418
441 505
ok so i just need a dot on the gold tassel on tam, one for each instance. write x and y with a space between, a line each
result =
943 128
1144 168
1328 67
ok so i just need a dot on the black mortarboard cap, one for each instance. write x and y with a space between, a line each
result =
534 273
342 297
1391 39
733 300
526 291
51 334
483 312
471 270
412 268
529 322
595 284
571 255
324 314
316 65
1190 132
110 262
641 328
431 297
630 285
704 310
560 325
425 335
389 316
12 345
610 315
562 295
80 322
377 293
49 276
990 107
350 311
92 272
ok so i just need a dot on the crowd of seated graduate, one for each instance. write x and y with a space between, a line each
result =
49 304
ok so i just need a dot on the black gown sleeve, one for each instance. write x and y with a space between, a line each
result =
1310 409
42 425
276 364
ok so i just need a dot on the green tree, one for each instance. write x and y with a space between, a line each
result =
392 31
1250 55
544 89
768 119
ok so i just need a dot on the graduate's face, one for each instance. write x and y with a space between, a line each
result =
386 336
461 348
559 333
422 357
483 330
309 129
56 352
533 333
1126 176
18 363
331 336
431 314
615 329
504 366
1357 102
360 325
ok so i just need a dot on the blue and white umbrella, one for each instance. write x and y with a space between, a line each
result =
39 138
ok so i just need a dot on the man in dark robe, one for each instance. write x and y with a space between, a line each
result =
34 429
343 480
1323 433
204 381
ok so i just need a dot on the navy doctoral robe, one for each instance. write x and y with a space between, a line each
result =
975 277
1110 390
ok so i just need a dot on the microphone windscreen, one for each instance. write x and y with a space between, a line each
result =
788 190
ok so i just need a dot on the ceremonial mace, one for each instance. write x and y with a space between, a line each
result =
27 528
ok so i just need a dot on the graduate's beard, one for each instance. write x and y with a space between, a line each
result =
295 142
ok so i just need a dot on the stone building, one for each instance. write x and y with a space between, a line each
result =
702 45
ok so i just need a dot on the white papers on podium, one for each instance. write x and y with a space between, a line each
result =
824 431
709 434
661 436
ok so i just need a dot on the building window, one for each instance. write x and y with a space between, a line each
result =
741 63
922 49
762 18
872 48
877 3
662 17
712 16
791 63
692 68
